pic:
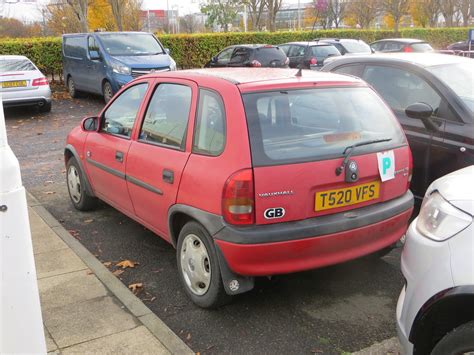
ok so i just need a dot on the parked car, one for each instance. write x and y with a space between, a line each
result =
248 172
435 311
249 55
102 62
432 96
348 45
459 46
308 55
401 45
23 84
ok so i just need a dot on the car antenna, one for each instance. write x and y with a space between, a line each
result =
299 73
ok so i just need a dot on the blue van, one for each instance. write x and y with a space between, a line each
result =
102 62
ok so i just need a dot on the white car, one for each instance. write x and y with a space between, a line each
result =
22 84
435 310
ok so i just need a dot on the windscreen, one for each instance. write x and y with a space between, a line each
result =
458 77
7 65
292 126
130 44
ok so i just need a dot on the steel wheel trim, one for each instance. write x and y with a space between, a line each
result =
195 264
74 184
108 92
71 86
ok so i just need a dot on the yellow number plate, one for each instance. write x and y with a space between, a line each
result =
14 84
325 200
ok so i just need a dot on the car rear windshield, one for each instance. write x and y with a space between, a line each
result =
458 77
294 126
357 47
421 47
266 55
130 44
7 65
324 51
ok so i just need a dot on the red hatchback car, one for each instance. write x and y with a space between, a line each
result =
248 172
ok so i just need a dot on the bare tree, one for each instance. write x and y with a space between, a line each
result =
131 17
79 8
363 12
466 8
255 9
448 8
117 10
425 12
396 9
273 6
189 23
337 9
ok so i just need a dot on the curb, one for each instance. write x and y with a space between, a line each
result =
134 305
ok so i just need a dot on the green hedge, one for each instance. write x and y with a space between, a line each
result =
195 50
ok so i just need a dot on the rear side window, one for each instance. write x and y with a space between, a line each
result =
209 133
294 126
392 46
7 65
75 47
324 51
167 115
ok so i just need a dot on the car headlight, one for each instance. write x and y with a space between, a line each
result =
121 69
439 220
172 64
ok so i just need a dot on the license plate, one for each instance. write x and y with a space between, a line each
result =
325 200
14 84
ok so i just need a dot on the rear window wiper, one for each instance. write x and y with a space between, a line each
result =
350 149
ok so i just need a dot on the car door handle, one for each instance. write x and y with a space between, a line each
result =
168 176
119 156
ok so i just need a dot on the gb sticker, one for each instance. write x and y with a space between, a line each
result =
386 163
275 212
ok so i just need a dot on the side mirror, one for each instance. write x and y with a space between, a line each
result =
167 51
423 112
214 59
90 124
94 55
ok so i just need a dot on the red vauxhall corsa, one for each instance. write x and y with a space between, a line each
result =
248 172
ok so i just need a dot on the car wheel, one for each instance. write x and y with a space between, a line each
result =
71 88
107 92
45 108
458 341
76 187
198 267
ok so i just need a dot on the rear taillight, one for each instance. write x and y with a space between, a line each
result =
313 61
39 82
255 63
238 198
408 49
410 169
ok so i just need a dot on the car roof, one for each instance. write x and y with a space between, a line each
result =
339 40
401 40
7 56
258 77
419 59
103 33
309 43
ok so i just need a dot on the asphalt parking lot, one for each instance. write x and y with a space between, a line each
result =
337 309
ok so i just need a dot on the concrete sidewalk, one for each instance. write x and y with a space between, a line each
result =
85 308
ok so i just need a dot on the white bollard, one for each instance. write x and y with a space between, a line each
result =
21 324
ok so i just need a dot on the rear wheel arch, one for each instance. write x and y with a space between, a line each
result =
441 314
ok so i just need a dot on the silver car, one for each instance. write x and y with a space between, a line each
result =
22 84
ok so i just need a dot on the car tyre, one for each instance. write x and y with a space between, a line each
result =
198 267
71 88
45 108
458 341
76 184
107 91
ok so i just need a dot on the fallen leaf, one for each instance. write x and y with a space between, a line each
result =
118 272
15 126
135 287
89 272
49 192
157 271
188 337
88 220
107 263
126 263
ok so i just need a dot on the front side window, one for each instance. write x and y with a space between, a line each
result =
209 133
122 113
401 88
93 47
167 115
293 126
240 55
225 55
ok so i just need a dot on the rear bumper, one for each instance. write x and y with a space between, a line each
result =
37 101
313 243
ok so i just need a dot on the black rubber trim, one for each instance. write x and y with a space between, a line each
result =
317 226
73 151
144 185
429 308
101 166
129 178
